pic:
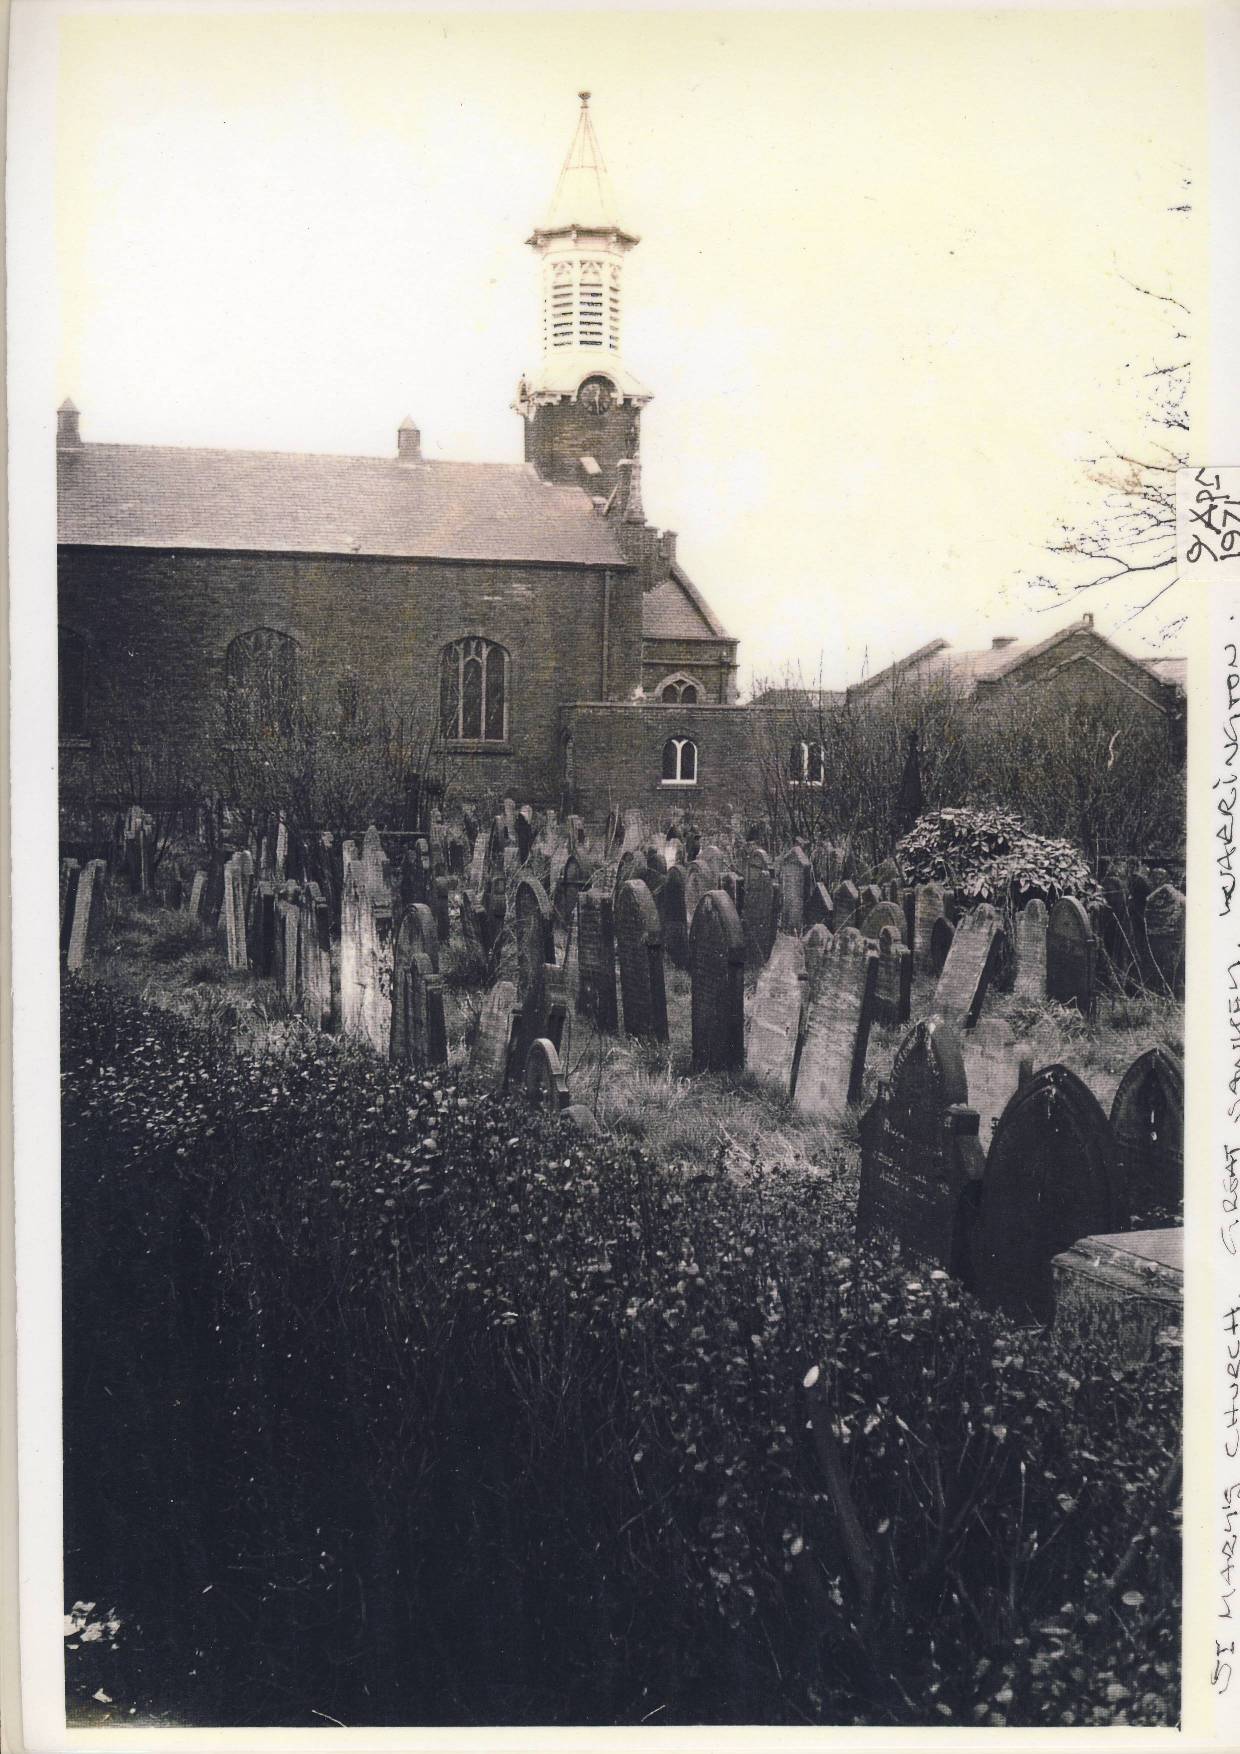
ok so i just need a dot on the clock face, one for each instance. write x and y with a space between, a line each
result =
595 395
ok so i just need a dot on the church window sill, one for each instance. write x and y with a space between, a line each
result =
475 746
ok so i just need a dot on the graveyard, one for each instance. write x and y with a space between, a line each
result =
733 1185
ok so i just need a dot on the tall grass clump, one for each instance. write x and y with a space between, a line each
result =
387 1402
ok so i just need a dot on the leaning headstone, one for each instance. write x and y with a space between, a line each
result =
966 976
1050 1180
534 930
920 1156
844 905
1030 946
761 917
893 984
796 876
773 1028
543 1078
928 906
717 969
496 1029
837 1026
819 909
596 961
1147 1121
197 890
1071 956
995 1064
1164 941
670 902
639 947
87 925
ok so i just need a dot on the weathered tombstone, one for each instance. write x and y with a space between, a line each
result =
1071 956
87 924
755 859
577 872
942 934
773 1027
639 946
966 976
281 850
837 1027
260 926
496 1028
699 881
1031 929
635 835
441 890
883 915
478 861
582 1118
929 905
632 866
234 915
508 809
1121 1294
544 1011
1164 941
830 865
761 917
557 888
844 906
893 984
887 875
535 932
1050 1180
543 1079
197 891
796 876
819 909
670 902
287 969
420 931
717 969
596 960
868 897
1147 1122
366 946
524 830
69 871
920 1155
996 1064
316 993
817 941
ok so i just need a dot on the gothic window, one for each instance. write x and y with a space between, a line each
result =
562 305
806 766
590 305
71 659
679 691
260 672
613 311
680 762
473 692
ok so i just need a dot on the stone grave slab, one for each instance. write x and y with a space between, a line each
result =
837 1026
1121 1293
596 961
1071 956
776 1015
966 975
1147 1122
717 970
639 949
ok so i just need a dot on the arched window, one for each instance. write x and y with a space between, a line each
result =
680 762
260 670
679 691
71 662
806 766
473 692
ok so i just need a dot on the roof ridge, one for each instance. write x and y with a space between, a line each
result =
89 445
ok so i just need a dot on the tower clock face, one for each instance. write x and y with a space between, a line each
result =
595 395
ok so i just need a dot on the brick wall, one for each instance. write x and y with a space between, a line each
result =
709 663
617 757
559 434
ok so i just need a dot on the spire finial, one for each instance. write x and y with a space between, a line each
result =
585 99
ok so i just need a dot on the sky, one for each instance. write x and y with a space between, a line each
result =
882 295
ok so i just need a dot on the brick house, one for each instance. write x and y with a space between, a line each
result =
545 625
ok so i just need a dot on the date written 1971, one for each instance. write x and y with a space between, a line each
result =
1208 516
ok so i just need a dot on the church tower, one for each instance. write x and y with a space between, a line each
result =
582 407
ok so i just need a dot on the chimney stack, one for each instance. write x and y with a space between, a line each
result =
667 550
629 498
408 441
68 437
1003 639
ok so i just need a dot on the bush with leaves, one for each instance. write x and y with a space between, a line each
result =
990 855
386 1401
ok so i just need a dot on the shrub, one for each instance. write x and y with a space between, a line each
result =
393 1403
989 855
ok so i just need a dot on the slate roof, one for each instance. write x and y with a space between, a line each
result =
163 496
1171 670
676 609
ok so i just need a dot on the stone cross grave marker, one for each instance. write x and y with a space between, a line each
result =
1147 1122
1071 955
496 1029
639 947
1050 1180
844 905
670 902
929 905
717 969
1164 940
534 930
837 1026
996 1064
920 1156
596 961
1031 927
893 984
87 926
773 1028
796 875
966 976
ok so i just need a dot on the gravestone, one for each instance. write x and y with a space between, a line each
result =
755 858
561 901
234 915
316 958
837 1026
639 949
819 910
524 831
197 891
734 888
929 905
69 871
543 1079
816 942
415 874
367 942
632 866
492 1048
1071 954
670 902
87 926
942 933
920 1156
596 960
544 1012
478 861
962 986
1050 1180
1147 1122
288 944
844 906
1030 946
868 898
996 1064
699 881
830 865
1122 1294
883 915
717 969
441 890
1164 941
773 1028
893 984
260 926
888 875
796 876
635 835
534 928
761 917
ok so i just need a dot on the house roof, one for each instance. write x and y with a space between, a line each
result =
676 609
163 496
1172 670
813 699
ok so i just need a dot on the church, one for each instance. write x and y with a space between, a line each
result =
565 655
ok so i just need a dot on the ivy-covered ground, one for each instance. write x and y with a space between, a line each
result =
389 1403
